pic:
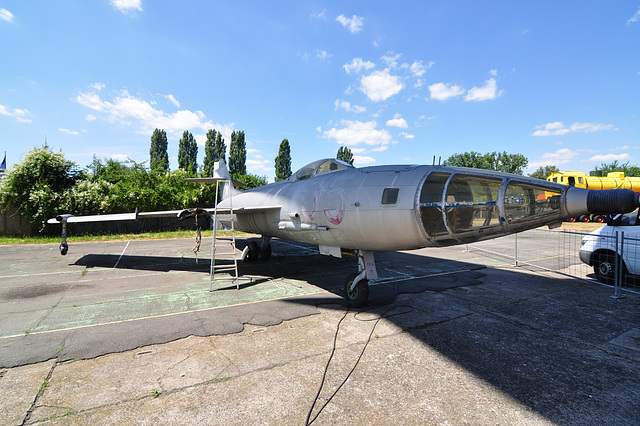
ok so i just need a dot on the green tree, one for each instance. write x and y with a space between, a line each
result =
543 172
614 166
188 153
345 155
250 180
215 150
35 185
209 152
283 161
500 162
220 149
159 158
237 154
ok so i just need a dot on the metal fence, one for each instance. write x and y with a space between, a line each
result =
559 251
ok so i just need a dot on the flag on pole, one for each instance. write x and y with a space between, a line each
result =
3 165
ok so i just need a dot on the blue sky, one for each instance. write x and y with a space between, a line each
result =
396 82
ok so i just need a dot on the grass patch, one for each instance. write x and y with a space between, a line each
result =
112 237
218 380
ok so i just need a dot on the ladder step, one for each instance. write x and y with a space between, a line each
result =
224 243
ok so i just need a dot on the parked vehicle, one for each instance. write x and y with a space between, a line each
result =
599 248
613 180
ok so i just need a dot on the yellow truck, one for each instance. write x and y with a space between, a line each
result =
613 180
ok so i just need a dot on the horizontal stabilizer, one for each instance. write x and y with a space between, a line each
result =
236 184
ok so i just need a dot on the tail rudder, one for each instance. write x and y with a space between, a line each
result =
220 171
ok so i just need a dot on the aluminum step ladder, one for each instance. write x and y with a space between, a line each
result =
223 256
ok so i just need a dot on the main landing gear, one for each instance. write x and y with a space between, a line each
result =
357 284
253 251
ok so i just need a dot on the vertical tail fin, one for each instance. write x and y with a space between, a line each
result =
220 171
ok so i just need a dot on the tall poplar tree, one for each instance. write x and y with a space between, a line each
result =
220 149
209 153
237 154
283 161
345 155
188 153
158 156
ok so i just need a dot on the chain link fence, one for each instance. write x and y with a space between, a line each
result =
609 260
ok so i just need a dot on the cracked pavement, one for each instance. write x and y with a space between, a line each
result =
504 346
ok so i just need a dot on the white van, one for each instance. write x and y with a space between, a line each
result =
599 247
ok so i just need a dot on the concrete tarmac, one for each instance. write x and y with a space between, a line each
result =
447 341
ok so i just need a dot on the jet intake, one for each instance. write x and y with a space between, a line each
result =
603 201
607 201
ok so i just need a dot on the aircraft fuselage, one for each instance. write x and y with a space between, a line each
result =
403 207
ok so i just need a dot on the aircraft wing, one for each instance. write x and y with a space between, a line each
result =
114 217
144 215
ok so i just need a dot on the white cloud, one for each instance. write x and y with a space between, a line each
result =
353 133
319 15
397 121
345 105
391 59
407 135
353 24
91 117
173 100
132 111
635 18
98 86
120 157
126 6
609 157
591 127
322 54
359 160
357 65
18 114
68 132
561 156
485 93
442 91
557 128
5 15
380 85
418 69
551 129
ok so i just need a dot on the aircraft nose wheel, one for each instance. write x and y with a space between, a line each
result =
360 294
64 248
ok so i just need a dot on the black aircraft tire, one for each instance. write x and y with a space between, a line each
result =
254 252
359 296
266 253
64 248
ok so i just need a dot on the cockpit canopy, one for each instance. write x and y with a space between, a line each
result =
326 165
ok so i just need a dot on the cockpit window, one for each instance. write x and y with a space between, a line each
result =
319 167
328 166
523 201
307 171
471 203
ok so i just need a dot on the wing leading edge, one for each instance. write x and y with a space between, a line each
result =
68 218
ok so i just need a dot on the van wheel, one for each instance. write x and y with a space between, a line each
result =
605 268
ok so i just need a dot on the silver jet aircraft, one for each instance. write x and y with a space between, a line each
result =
344 209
